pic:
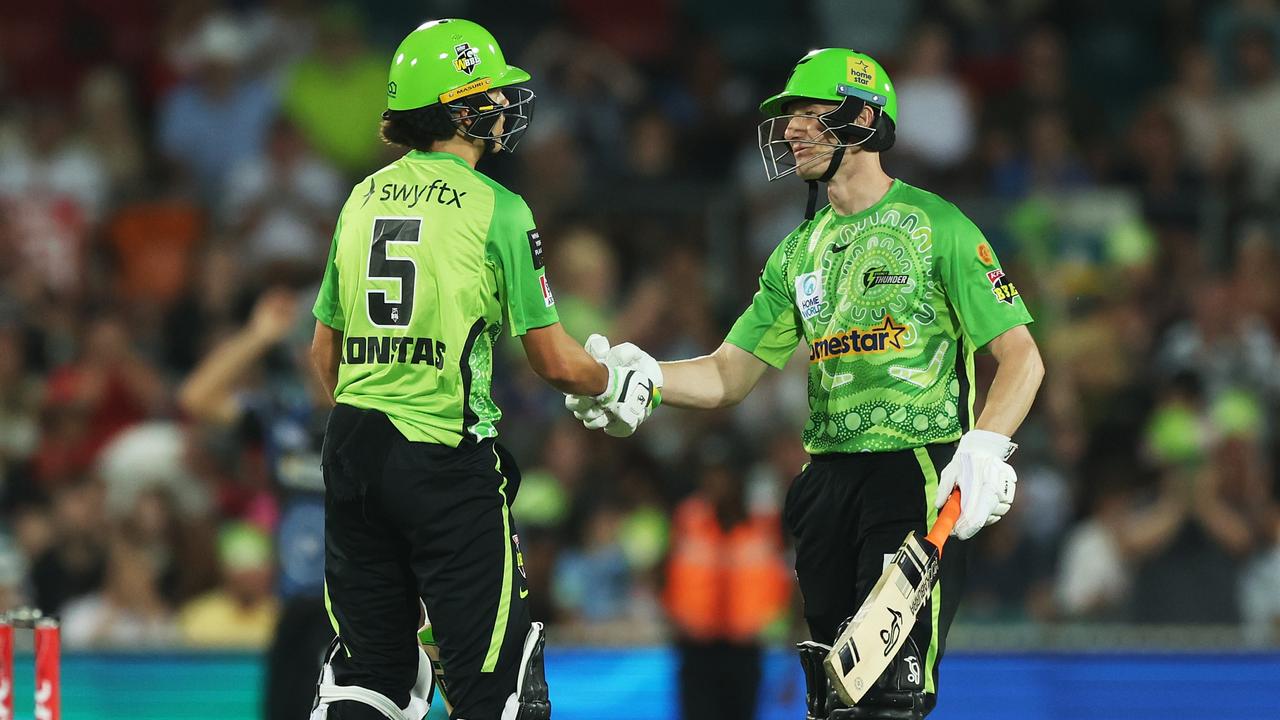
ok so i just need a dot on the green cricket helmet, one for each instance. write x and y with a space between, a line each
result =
455 63
850 79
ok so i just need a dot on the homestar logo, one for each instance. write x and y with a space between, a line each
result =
859 341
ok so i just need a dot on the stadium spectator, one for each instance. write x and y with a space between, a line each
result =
87 402
72 561
1196 100
19 412
335 94
242 611
281 204
1221 346
130 611
219 116
928 91
49 159
592 583
726 583
1254 107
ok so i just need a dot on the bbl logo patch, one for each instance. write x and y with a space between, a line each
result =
466 58
1001 287
861 72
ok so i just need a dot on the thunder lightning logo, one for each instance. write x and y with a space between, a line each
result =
466 58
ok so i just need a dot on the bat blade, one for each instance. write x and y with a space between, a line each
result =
878 630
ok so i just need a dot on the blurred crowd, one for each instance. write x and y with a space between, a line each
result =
170 175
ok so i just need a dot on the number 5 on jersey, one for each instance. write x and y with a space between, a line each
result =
387 230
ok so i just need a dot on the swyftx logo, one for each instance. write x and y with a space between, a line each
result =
411 195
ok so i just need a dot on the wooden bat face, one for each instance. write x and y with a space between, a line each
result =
880 627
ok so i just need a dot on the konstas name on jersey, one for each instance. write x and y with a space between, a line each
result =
385 350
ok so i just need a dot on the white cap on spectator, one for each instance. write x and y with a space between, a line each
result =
150 456
221 39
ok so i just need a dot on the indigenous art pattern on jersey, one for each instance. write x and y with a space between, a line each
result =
892 302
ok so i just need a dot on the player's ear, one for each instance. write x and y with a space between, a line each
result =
867 116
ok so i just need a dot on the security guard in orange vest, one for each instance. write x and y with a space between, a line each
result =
726 582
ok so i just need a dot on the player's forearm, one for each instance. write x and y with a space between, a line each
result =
575 374
326 356
718 380
562 363
1013 390
694 384
206 393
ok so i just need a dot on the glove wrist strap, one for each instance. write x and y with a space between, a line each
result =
988 443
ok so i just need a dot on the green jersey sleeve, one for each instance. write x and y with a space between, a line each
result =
516 249
770 327
984 297
327 308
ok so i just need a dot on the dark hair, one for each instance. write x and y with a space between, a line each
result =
418 128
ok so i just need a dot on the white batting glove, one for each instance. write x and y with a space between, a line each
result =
986 480
632 393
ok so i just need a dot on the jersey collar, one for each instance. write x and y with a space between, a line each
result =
893 190
425 155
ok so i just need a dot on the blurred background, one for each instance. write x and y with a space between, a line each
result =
170 175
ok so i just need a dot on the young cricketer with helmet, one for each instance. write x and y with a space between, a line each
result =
427 258
893 289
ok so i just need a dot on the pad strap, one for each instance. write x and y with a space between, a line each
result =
332 693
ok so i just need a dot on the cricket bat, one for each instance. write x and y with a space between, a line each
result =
877 631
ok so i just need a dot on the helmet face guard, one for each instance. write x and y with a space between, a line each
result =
476 116
839 131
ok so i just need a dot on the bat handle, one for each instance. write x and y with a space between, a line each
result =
946 520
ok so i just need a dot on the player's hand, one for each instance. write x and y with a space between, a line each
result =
632 394
986 481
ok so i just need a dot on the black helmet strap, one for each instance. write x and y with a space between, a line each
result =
811 208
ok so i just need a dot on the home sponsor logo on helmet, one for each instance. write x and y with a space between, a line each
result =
809 294
861 71
1002 287
466 58
859 341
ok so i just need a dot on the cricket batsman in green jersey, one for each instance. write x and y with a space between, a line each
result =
428 257
893 289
